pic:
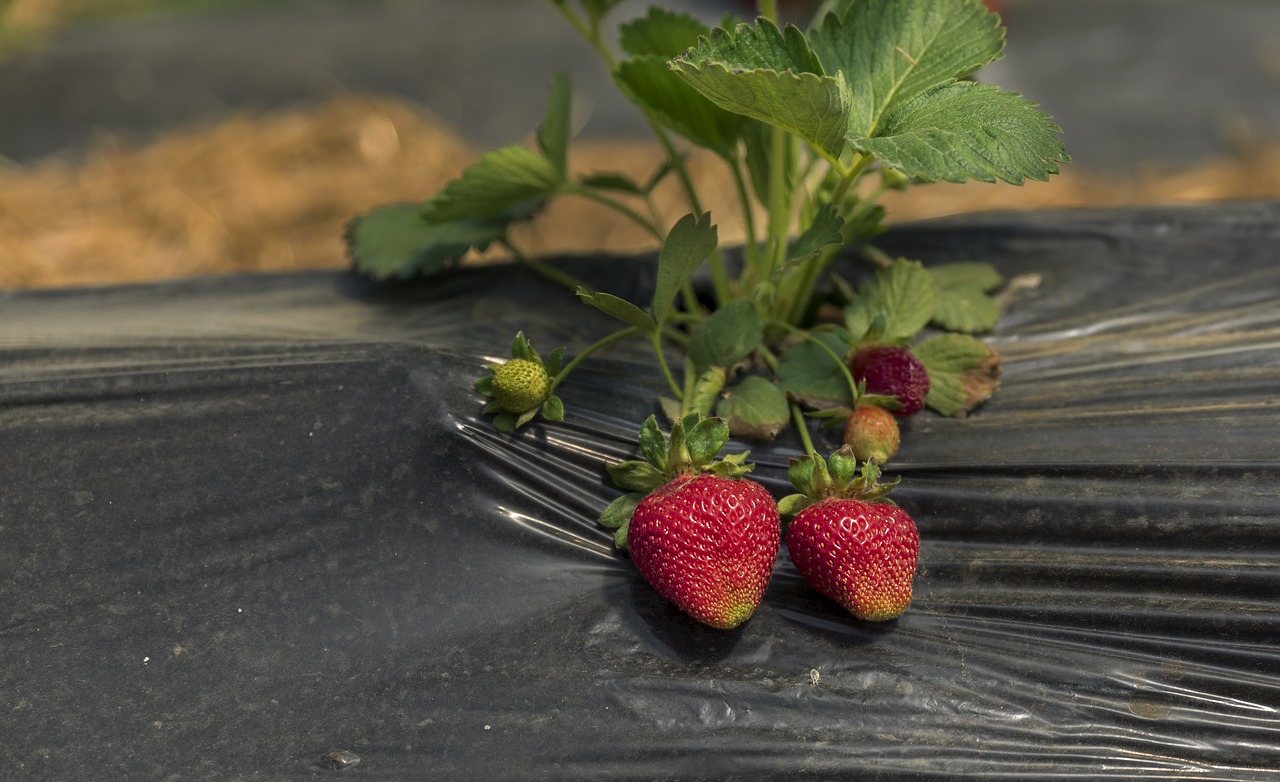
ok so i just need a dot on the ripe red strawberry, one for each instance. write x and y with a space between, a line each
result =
848 543
872 433
705 537
891 370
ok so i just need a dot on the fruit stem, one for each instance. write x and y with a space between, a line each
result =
546 270
802 428
620 207
666 370
592 348
748 215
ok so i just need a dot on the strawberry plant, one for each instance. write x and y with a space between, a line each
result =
812 126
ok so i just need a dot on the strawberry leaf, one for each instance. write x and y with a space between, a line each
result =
506 181
755 408
661 33
891 51
619 308
966 274
962 131
393 241
773 76
962 372
963 304
824 230
809 375
553 134
650 84
903 293
609 180
727 336
688 243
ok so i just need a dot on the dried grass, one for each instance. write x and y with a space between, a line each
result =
257 193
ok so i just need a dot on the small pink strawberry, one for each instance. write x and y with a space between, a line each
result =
891 370
872 433
705 537
849 543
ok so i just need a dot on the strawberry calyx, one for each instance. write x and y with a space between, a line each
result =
840 477
522 387
691 450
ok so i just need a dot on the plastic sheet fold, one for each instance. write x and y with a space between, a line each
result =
249 521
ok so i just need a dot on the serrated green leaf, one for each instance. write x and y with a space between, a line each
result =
903 292
962 131
705 439
393 241
773 76
891 51
947 359
966 274
809 374
619 308
727 336
824 230
506 180
755 408
609 180
617 513
553 134
650 84
966 310
553 409
689 242
636 476
653 444
660 33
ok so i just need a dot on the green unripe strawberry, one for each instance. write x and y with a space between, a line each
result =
520 385
521 388
872 433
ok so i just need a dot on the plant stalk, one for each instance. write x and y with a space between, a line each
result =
592 348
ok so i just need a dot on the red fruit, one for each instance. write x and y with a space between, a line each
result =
872 433
893 371
707 544
860 554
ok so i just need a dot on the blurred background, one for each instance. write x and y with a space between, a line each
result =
151 139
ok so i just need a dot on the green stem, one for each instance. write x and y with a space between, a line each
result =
802 428
544 269
618 206
779 204
839 362
769 9
592 348
748 214
591 35
666 370
690 381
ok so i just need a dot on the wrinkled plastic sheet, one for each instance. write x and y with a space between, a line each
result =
249 521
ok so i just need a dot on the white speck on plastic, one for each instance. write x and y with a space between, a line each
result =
146 659
486 727
814 676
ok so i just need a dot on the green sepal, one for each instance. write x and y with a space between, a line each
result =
520 348
484 385
555 360
705 440
526 417
800 473
678 457
618 512
843 466
792 504
636 476
727 469
620 537
505 422
493 407
553 409
671 409
653 445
